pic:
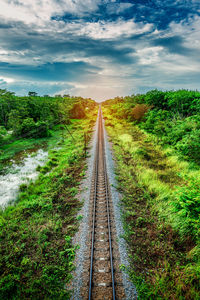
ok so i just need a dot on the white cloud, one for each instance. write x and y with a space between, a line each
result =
115 29
117 8
29 11
178 65
6 79
36 39
149 55
189 31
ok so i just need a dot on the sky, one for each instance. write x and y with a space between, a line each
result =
99 48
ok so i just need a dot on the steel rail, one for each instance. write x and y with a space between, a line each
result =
100 130
94 209
108 215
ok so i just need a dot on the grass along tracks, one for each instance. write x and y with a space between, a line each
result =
162 237
36 253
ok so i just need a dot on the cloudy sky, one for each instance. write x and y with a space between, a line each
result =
99 48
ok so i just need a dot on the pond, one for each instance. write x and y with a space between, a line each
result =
18 172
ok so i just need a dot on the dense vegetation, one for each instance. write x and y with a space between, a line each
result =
173 117
156 140
34 116
36 251
157 148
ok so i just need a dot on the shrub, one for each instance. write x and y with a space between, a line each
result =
77 111
42 129
179 129
184 102
27 126
139 111
3 132
186 204
156 98
156 121
189 146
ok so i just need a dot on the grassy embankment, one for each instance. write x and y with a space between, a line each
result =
36 253
30 120
18 148
160 203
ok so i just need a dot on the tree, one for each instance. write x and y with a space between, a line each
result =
32 94
14 121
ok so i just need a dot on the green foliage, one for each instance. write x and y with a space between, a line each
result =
42 129
32 94
183 102
172 116
27 126
33 116
161 197
189 146
3 132
156 121
187 206
14 121
36 250
182 133
156 98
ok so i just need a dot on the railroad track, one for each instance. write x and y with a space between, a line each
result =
103 279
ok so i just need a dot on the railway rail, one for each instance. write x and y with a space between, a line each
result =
103 278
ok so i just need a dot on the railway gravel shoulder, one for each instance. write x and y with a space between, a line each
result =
129 288
81 236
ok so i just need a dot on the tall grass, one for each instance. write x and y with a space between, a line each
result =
161 213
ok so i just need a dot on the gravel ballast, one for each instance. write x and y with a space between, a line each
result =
81 236
128 285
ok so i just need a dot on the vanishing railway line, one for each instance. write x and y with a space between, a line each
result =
103 279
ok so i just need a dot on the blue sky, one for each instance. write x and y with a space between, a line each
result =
99 48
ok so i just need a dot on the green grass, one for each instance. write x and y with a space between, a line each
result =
36 251
160 212
16 145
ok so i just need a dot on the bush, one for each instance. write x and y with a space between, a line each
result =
156 98
189 146
186 204
157 121
139 111
42 129
77 111
3 132
179 129
183 102
29 128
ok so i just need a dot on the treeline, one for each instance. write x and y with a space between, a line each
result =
33 116
173 116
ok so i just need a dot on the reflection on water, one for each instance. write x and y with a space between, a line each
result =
19 173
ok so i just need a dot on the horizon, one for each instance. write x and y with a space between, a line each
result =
96 100
99 49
